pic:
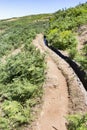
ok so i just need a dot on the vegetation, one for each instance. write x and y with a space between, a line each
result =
22 74
83 58
61 40
77 122
21 30
61 34
20 84
66 22
62 31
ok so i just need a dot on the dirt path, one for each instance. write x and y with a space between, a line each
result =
55 99
55 104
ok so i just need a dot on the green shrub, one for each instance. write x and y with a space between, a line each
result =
22 75
82 59
72 52
21 82
62 40
15 112
20 91
4 123
21 79
28 64
77 122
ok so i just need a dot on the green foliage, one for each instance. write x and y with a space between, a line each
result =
62 40
70 19
82 59
72 52
4 124
22 74
63 25
20 91
14 38
21 82
21 31
62 30
15 112
28 64
84 62
77 122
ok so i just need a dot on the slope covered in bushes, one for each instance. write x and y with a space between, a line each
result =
22 74
63 31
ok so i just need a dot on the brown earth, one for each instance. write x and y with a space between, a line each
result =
55 99
63 92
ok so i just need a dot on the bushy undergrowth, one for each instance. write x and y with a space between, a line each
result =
15 83
61 40
84 61
19 31
14 38
64 23
21 79
77 122
62 32
21 75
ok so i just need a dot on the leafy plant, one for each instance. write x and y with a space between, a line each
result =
22 75
4 124
21 85
72 52
62 40
63 30
15 112
77 122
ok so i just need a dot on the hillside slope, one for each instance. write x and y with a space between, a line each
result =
64 28
21 75
23 70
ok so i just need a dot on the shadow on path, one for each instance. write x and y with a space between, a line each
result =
77 69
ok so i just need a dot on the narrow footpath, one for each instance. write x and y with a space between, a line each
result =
55 99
